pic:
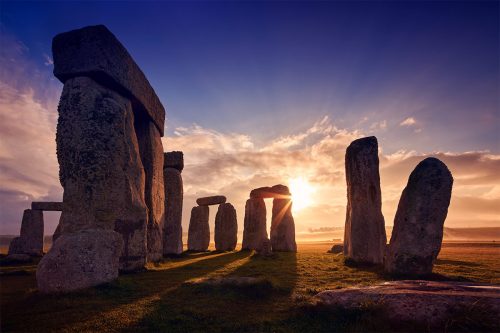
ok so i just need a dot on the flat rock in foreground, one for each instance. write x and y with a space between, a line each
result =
429 302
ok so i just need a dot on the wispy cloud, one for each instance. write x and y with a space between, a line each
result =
410 121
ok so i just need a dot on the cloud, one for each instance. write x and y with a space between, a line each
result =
410 121
227 163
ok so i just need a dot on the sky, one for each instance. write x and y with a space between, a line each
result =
261 93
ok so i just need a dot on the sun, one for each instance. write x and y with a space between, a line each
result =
302 192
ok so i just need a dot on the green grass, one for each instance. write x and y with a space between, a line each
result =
167 297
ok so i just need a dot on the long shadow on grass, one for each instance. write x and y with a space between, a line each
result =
107 304
229 308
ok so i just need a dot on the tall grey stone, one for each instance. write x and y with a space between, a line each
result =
199 231
226 228
364 235
254 229
151 151
174 159
283 226
80 260
172 232
100 167
30 241
418 226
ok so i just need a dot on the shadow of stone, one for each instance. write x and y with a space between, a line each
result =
201 307
456 263
84 306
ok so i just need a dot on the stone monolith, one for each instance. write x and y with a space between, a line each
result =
30 241
80 260
364 235
151 151
254 230
226 228
172 232
283 226
100 167
199 232
418 226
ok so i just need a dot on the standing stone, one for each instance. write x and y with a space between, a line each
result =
80 260
174 159
418 226
172 241
364 235
100 167
255 230
283 226
30 241
226 228
199 232
151 151
265 248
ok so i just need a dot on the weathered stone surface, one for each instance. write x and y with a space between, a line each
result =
174 159
364 235
255 230
30 241
265 248
172 230
283 226
47 206
430 302
95 52
80 260
336 248
277 191
100 167
199 232
151 151
226 228
57 233
418 226
213 200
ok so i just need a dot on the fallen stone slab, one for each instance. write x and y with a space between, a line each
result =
425 302
213 200
47 206
95 52
174 159
277 192
16 258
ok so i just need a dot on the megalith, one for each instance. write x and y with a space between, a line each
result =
80 260
226 228
254 229
209 201
199 232
364 234
172 231
418 226
30 241
110 156
283 226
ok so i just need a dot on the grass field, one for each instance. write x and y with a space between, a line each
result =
167 298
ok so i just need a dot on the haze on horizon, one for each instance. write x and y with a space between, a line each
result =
264 93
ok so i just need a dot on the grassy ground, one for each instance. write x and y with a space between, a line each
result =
164 298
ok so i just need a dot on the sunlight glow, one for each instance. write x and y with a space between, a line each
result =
302 192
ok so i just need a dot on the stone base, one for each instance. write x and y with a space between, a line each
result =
80 260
